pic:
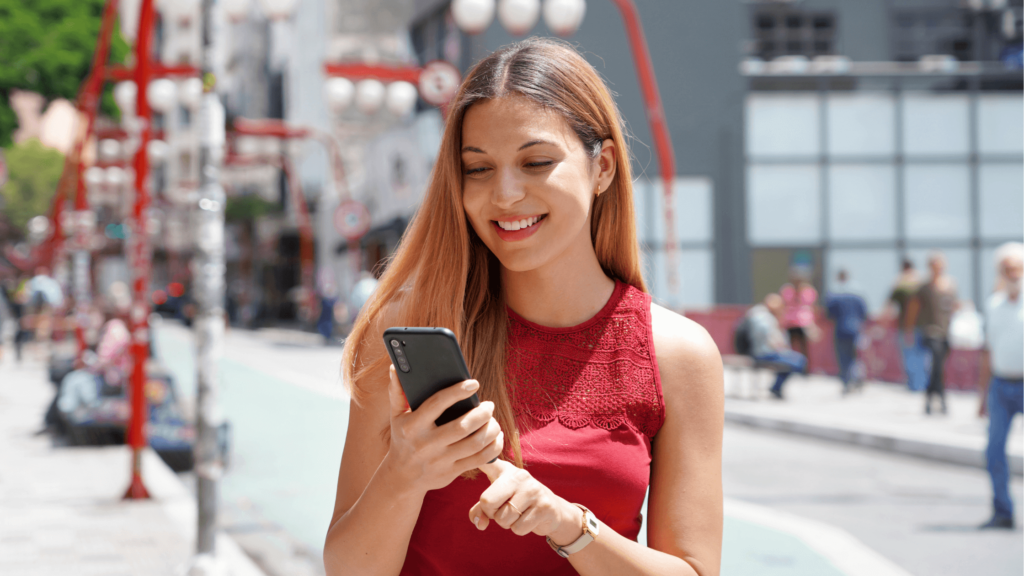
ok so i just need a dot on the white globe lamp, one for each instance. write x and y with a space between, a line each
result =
401 98
235 10
278 9
518 16
125 94
564 17
247 146
94 177
157 151
369 96
115 177
339 93
110 149
473 16
162 94
190 93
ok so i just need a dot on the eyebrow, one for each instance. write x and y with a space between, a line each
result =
523 147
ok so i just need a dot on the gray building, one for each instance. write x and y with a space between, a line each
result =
834 134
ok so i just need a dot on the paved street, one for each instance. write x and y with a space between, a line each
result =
61 511
796 506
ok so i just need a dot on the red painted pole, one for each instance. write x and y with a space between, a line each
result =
139 256
659 127
88 105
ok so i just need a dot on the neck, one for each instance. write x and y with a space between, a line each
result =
567 291
1012 296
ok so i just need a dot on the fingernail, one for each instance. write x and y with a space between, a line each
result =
476 521
471 385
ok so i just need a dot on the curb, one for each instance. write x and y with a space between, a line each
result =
963 454
179 505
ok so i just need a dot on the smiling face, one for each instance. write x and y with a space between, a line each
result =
528 183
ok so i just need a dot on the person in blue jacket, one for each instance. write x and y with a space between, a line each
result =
849 312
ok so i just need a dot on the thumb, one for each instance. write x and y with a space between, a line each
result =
496 469
399 405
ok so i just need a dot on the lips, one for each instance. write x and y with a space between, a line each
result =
513 230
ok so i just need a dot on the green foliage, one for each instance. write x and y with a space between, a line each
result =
248 207
47 46
34 171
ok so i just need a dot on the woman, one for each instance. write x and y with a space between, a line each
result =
798 319
525 247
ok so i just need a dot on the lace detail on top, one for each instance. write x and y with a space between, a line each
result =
602 372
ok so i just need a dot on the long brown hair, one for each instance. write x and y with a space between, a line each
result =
443 275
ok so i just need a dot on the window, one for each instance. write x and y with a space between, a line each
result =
937 201
785 31
784 124
861 124
1000 124
862 202
783 204
871 274
935 124
1001 187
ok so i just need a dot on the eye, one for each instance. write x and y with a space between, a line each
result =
539 164
475 171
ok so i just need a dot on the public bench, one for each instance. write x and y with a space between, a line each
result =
748 378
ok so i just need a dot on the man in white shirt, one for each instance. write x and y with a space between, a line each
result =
1003 360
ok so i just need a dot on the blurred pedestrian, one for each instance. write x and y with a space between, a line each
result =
1003 362
328 298
768 343
848 311
930 311
911 347
799 297
18 297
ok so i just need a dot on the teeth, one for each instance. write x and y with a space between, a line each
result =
519 224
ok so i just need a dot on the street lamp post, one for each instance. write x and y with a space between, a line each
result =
209 292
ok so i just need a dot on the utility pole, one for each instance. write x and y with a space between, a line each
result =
209 293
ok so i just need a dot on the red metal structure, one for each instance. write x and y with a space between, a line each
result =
269 128
139 257
72 178
659 127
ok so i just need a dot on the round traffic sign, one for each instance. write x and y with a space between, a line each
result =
439 82
352 220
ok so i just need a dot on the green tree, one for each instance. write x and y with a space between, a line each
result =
34 171
47 46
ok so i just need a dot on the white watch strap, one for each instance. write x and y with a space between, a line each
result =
591 527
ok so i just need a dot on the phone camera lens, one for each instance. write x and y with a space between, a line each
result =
399 353
394 343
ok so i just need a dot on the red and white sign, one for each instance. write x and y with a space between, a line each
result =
439 82
352 220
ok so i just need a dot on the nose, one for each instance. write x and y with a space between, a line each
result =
508 190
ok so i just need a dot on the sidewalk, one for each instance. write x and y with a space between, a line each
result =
881 415
62 509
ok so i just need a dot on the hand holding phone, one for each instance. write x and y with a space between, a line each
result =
430 442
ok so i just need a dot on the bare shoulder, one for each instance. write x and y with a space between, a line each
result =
688 358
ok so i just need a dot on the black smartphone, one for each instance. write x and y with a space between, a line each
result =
429 360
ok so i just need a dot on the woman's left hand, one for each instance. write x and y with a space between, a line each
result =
516 501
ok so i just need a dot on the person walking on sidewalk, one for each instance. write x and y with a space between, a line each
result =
768 343
799 297
1003 361
930 311
848 311
913 353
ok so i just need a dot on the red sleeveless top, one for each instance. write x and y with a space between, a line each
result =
587 400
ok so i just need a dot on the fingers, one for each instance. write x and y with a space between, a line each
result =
490 452
496 469
442 400
477 516
470 422
399 405
482 438
495 496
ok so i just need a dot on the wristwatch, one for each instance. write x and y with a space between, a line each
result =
590 530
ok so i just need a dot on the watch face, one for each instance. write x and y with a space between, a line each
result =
591 523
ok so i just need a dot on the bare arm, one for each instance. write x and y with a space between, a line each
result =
685 506
984 377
